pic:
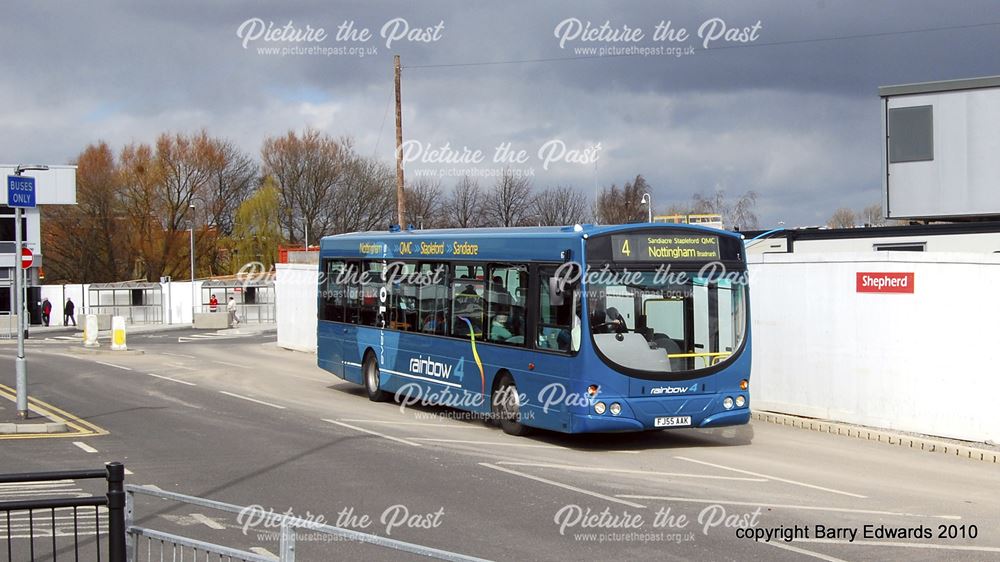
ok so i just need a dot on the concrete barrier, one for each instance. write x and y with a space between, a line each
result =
90 329
211 320
118 334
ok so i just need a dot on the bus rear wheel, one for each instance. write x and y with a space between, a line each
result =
373 380
506 404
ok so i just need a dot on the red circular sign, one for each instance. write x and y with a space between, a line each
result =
26 258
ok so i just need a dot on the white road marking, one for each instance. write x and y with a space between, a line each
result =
263 552
207 521
86 448
785 480
171 379
179 366
798 550
247 398
906 545
231 364
786 506
113 365
500 443
561 485
363 430
178 355
629 471
128 472
421 424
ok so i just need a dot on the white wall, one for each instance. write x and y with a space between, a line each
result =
295 288
922 362
961 179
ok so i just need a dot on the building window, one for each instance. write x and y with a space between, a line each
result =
911 134
902 247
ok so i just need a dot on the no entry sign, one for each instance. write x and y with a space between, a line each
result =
27 258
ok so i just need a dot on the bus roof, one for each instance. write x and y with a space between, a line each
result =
545 243
538 232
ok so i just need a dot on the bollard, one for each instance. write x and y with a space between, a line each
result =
90 331
118 333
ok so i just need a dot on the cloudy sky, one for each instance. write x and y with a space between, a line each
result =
792 112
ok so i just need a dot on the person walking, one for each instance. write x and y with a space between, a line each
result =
69 313
46 311
231 309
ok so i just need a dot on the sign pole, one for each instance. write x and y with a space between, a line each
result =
20 364
21 193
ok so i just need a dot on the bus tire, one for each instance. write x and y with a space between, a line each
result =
373 379
507 408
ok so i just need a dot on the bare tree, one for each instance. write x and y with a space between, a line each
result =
561 205
741 215
623 205
872 215
842 218
308 169
509 203
464 205
424 203
367 198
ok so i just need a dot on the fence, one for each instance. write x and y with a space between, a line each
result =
159 545
56 526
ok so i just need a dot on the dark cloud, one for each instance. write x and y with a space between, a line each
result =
793 118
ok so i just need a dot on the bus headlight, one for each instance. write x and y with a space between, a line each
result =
599 407
616 409
727 403
741 401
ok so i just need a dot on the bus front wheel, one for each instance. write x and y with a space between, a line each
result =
373 380
507 407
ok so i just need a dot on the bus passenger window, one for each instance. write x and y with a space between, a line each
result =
334 292
433 299
467 307
505 307
371 283
558 324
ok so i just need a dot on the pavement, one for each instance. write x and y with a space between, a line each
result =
231 417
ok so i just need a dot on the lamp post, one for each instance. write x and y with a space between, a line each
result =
193 305
20 363
648 200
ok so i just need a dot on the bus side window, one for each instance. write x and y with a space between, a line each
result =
505 306
468 291
334 292
433 299
371 284
352 286
558 325
402 305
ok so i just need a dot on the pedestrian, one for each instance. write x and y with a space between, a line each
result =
213 304
69 313
46 311
231 309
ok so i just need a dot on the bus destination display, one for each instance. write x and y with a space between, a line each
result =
665 248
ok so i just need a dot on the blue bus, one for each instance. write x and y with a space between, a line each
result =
572 329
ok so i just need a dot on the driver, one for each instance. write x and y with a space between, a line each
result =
606 321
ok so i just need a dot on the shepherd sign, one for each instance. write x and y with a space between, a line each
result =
885 282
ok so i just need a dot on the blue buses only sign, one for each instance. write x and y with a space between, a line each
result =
20 191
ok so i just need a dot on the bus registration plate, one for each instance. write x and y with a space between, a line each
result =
672 421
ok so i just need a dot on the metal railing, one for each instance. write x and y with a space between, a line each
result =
159 545
262 313
57 523
134 314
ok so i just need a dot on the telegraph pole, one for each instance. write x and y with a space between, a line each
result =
400 197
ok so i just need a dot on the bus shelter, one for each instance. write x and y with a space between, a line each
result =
254 298
140 302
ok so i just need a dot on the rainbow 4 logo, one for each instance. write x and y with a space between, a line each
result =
673 389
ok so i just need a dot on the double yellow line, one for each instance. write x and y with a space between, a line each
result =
77 426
